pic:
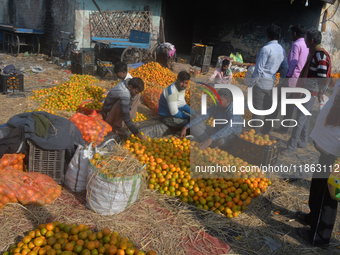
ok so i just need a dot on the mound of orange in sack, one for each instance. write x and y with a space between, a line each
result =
92 127
26 188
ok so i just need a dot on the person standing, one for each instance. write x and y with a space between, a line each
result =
323 209
297 58
313 77
222 75
269 60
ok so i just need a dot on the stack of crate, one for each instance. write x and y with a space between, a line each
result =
201 56
82 62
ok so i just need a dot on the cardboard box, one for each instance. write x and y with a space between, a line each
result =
194 71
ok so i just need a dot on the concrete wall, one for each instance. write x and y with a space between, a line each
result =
240 26
331 33
82 27
50 16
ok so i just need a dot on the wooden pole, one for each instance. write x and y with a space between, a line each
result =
101 12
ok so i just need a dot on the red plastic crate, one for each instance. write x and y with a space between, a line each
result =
88 111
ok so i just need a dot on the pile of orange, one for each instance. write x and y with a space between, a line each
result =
140 117
107 64
94 105
168 168
57 238
238 78
69 95
335 75
257 139
154 75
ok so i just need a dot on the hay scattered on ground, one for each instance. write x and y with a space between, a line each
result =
146 224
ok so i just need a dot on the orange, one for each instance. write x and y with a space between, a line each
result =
130 251
92 237
74 231
112 249
120 252
81 227
123 245
27 239
101 249
100 235
77 249
113 240
69 247
51 241
51 252
85 252
82 235
91 245
50 226
38 241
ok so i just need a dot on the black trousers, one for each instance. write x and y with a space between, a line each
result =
323 207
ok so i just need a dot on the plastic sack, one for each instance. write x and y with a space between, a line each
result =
12 162
77 169
324 100
92 128
232 56
247 76
151 98
108 196
334 181
27 188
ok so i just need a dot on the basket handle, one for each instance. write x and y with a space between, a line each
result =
110 140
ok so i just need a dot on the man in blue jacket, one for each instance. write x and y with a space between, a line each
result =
172 109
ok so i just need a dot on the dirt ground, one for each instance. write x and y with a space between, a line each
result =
270 216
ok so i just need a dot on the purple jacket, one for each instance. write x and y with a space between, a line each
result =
297 58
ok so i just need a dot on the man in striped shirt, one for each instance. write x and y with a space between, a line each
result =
173 109
313 77
222 135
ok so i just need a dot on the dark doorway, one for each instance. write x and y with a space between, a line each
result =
179 18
